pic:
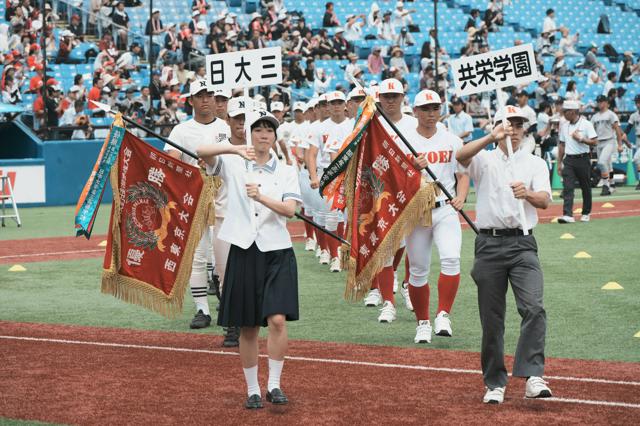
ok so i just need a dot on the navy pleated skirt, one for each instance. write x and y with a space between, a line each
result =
257 285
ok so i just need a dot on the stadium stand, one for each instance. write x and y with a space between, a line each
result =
100 49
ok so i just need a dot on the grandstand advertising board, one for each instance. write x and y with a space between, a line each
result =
514 66
244 69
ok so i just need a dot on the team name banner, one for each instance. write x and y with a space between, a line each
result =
513 66
245 68
386 199
160 211
89 200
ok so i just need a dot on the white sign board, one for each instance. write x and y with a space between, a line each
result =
513 66
246 68
27 182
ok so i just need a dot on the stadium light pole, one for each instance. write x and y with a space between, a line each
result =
150 53
43 41
437 36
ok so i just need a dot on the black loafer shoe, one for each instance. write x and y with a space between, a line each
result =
277 397
253 402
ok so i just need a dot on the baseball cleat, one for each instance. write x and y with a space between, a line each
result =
325 257
423 332
335 265
494 396
387 313
566 219
537 388
638 187
405 295
231 337
200 320
443 324
585 218
373 299
605 191
310 245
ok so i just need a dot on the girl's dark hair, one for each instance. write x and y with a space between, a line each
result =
571 84
263 124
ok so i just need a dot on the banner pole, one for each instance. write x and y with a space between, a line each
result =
331 234
380 111
523 218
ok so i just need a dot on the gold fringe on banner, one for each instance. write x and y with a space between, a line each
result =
137 292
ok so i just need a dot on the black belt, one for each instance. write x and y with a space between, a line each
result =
509 232
586 154
440 204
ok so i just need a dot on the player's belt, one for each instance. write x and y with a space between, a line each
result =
508 232
440 204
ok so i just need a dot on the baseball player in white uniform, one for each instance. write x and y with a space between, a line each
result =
327 143
437 149
317 159
203 128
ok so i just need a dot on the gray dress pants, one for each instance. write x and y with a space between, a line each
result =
499 260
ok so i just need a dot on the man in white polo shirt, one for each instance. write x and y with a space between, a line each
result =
460 123
576 137
203 128
504 254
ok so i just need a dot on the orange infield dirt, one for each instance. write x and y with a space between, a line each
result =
120 376
71 248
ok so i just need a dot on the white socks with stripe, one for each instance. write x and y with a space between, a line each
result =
198 284
251 377
275 370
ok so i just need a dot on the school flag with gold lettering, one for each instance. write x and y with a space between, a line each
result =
385 198
159 213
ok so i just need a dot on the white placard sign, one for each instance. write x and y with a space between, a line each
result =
28 183
246 68
513 66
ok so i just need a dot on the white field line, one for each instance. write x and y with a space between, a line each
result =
52 253
349 362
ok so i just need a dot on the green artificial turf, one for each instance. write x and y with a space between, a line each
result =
583 320
13 422
59 221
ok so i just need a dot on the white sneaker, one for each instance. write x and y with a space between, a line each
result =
387 313
325 257
566 219
537 388
318 251
310 245
395 282
585 218
335 265
423 332
442 324
494 396
373 299
405 295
